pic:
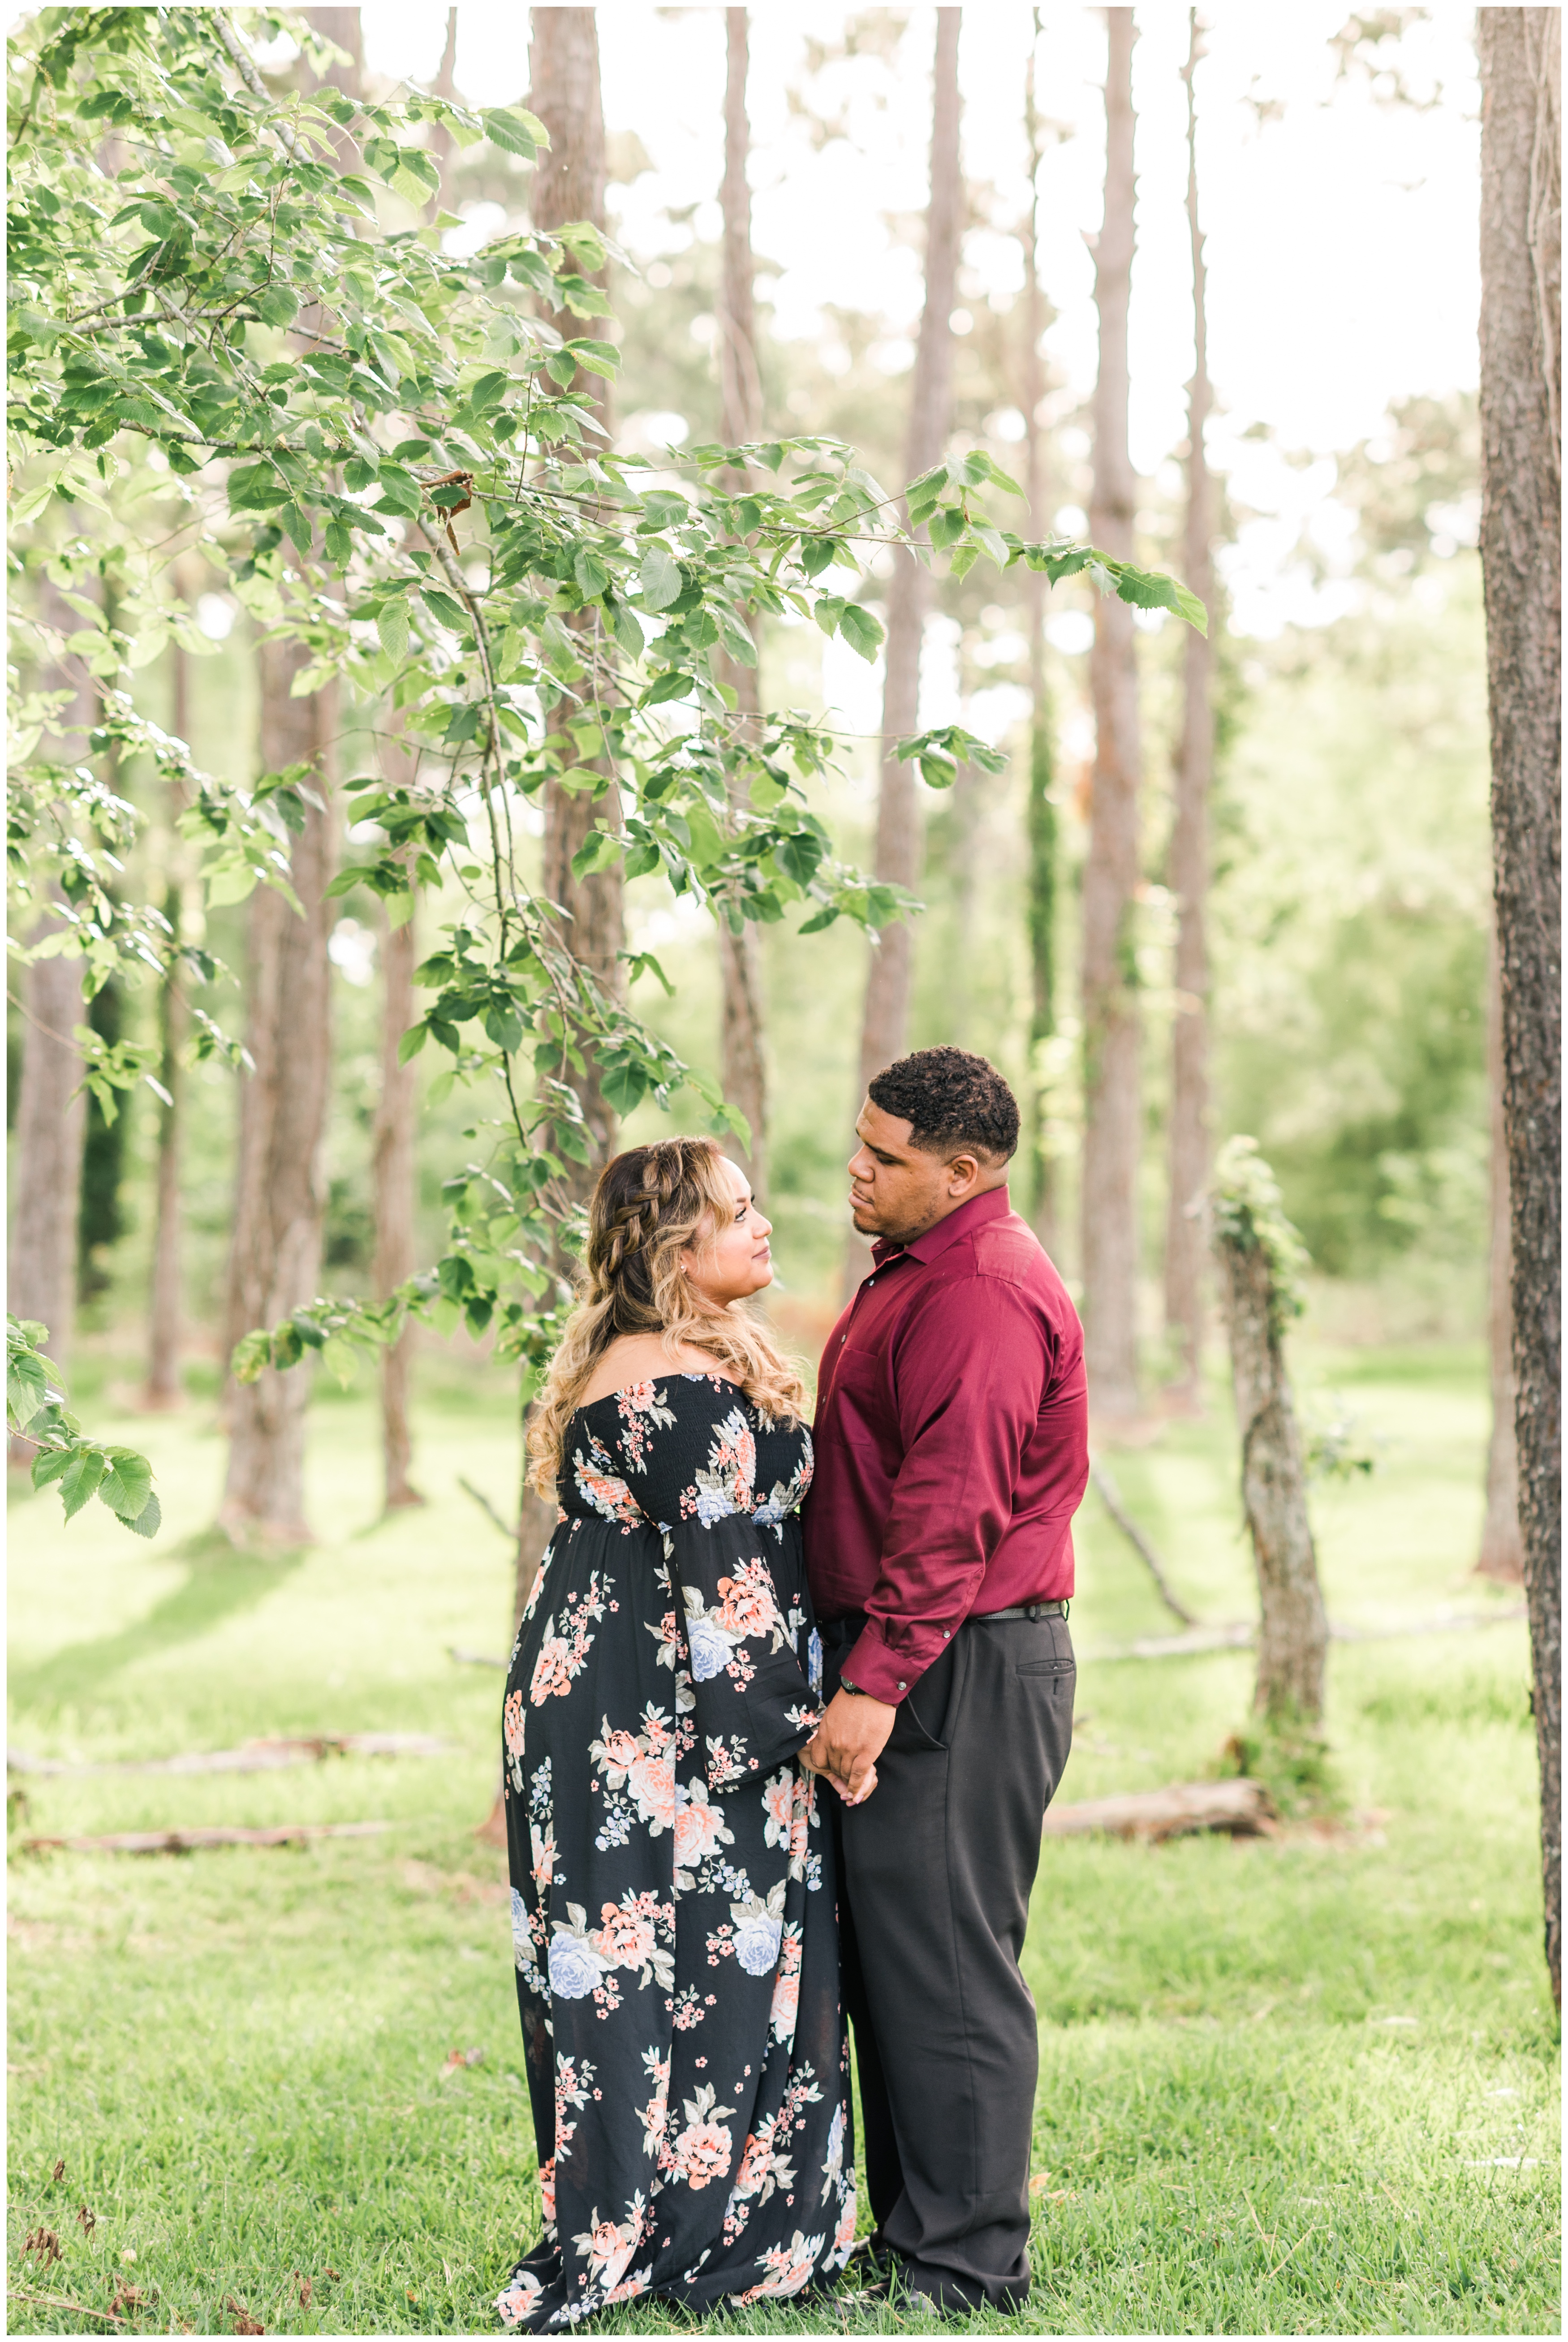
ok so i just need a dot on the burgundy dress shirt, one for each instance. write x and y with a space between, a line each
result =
951 1440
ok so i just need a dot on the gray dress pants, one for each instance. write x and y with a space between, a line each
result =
935 1871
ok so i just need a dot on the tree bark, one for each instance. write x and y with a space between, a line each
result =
274 1259
392 1175
51 1112
885 1029
1520 559
1189 1134
1111 877
1501 1549
569 184
1041 812
743 1054
163 1387
1293 1629
280 1193
443 146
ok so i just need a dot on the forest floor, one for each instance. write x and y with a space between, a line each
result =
1299 2085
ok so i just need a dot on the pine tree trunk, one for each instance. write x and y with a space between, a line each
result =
569 184
743 1054
885 1030
1293 1628
280 1195
274 1259
51 1117
1521 561
1502 1550
1189 1135
1111 877
164 1388
1040 818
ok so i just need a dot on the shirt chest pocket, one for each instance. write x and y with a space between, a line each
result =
864 1414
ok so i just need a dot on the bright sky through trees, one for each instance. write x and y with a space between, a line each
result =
1342 232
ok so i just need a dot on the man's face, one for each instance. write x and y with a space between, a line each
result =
897 1190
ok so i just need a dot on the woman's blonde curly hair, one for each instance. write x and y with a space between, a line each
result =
650 1205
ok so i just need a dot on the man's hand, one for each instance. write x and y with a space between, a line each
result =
848 1742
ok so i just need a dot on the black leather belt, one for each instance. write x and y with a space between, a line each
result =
1028 1610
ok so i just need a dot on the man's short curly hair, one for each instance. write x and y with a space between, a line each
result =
951 1100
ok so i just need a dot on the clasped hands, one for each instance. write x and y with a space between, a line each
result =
847 1743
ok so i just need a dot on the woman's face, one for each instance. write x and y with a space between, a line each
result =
736 1260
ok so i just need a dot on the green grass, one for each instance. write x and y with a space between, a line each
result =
1305 2085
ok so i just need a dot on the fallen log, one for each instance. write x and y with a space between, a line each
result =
194 1841
264 1756
1241 1808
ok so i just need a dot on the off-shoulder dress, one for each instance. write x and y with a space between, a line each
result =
673 1894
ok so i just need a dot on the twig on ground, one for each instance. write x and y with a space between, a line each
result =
59 2301
262 1756
1111 1497
195 1841
507 1528
1240 1635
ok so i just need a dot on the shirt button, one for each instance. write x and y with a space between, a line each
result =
902 1686
842 1340
945 1636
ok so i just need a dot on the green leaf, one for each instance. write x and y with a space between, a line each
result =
860 630
515 130
411 1043
80 1478
392 626
148 1521
599 851
659 578
672 684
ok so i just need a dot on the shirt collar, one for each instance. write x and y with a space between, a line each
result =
995 1204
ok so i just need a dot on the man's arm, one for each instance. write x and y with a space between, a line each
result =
971 1368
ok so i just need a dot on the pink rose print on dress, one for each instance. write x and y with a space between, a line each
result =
641 1407
747 1606
519 2299
699 1826
725 1487
511 1737
607 2246
701 2152
601 1486
786 1987
788 2267
652 1781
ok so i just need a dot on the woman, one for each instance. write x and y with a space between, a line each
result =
672 1895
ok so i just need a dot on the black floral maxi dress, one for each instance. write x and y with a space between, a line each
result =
672 1891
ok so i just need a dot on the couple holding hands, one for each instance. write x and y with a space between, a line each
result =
781 1723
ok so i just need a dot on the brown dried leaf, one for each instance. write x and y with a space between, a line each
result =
243 2322
89 2220
45 2243
305 2289
59 2171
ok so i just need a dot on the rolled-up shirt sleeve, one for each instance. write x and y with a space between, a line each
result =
971 1373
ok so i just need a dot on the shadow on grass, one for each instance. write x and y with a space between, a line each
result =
221 1581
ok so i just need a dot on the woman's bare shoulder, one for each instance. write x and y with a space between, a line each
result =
639 1359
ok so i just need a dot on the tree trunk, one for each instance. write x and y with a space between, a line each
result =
443 146
274 1258
1189 1139
885 1030
743 1058
1520 560
569 184
51 1115
280 1194
1041 823
1293 1629
1111 877
1502 1550
393 1172
164 1388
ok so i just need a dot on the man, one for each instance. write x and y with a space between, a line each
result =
952 1452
